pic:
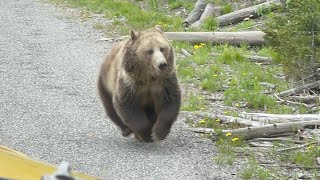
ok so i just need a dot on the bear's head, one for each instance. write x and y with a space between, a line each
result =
148 54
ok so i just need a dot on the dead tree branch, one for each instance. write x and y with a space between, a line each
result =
297 90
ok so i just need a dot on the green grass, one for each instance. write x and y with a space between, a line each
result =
212 78
244 25
129 14
175 4
194 102
210 24
226 8
304 157
254 171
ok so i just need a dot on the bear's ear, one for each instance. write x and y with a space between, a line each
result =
159 28
134 34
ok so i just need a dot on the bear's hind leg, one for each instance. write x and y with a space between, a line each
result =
108 105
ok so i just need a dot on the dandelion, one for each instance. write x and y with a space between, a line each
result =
202 121
235 139
228 134
218 120
196 46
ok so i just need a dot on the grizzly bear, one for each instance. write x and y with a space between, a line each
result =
138 85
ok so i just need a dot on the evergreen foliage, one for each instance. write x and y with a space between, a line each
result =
294 34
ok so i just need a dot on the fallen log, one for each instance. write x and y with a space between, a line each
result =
254 58
195 13
223 118
279 139
297 90
261 131
305 99
287 117
240 15
209 12
232 38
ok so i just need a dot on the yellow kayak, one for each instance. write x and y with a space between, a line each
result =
17 166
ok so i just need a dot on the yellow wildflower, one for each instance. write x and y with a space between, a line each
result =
202 121
215 75
235 139
196 46
228 134
218 120
202 44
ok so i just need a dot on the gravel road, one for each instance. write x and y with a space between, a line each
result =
49 108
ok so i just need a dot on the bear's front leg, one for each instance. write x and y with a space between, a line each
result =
134 117
165 120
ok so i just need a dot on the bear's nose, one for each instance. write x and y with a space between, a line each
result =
162 66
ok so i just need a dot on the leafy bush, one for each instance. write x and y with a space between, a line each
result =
294 34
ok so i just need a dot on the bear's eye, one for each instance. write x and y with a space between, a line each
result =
162 49
150 51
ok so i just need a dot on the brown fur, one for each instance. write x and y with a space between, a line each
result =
138 85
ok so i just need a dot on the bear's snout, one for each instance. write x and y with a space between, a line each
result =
162 66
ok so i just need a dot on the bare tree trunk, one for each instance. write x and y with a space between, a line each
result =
195 13
209 12
232 38
240 15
